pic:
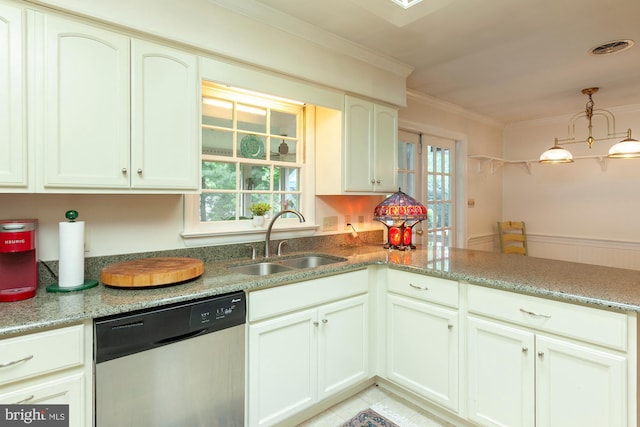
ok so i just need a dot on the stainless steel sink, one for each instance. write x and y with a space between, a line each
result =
264 268
260 269
311 261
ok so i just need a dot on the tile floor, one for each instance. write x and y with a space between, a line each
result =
401 412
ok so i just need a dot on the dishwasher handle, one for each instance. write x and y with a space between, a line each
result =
177 338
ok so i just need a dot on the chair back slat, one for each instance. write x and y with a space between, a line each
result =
513 237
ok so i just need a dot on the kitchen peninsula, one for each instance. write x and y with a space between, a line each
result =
582 317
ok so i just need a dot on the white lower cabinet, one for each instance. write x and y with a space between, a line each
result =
422 336
307 341
51 367
518 374
422 349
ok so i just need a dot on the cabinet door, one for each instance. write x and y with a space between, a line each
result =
282 367
358 173
344 344
422 349
84 137
385 150
501 374
165 145
68 390
579 385
13 146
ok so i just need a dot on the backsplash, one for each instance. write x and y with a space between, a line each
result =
94 265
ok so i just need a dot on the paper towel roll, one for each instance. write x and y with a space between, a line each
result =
71 264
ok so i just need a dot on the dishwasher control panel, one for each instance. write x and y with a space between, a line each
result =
221 310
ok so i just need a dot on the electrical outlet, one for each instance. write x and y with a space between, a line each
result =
330 223
347 220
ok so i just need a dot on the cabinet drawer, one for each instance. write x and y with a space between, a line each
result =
426 288
600 327
274 301
40 353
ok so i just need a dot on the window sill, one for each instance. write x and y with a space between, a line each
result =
208 238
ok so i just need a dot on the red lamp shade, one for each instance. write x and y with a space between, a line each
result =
399 213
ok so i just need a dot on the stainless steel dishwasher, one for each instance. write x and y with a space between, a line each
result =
178 365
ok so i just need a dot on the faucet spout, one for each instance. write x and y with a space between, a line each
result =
267 239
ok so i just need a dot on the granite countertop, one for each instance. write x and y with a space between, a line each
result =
602 287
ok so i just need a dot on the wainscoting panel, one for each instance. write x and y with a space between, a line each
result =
576 249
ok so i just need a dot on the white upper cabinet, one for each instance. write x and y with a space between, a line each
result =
356 151
370 147
83 126
13 145
111 113
165 130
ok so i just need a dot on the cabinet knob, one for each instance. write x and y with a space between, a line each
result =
378 181
450 327
525 349
373 181
540 354
124 171
139 171
325 320
315 324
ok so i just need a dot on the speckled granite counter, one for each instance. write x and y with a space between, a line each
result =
604 287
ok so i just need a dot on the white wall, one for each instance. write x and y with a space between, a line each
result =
575 211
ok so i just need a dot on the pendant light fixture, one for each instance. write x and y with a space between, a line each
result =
628 148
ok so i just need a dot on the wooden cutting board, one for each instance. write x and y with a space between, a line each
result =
147 272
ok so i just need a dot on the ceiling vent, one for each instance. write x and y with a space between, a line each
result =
612 47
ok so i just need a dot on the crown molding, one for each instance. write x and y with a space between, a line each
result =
451 108
257 11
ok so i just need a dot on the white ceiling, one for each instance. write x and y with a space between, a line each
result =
511 60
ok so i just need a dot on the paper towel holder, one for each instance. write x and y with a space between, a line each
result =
71 216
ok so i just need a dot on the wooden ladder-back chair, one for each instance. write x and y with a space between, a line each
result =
513 237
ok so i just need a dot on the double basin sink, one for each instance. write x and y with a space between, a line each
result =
264 268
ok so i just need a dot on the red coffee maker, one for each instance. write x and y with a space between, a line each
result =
18 261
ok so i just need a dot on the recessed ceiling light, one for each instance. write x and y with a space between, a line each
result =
611 47
406 4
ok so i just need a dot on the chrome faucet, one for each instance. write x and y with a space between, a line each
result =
276 216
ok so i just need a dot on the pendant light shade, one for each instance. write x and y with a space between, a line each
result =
556 154
628 148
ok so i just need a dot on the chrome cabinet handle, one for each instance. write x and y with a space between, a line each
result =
24 400
418 287
14 362
531 313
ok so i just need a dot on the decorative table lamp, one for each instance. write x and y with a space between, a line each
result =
399 213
